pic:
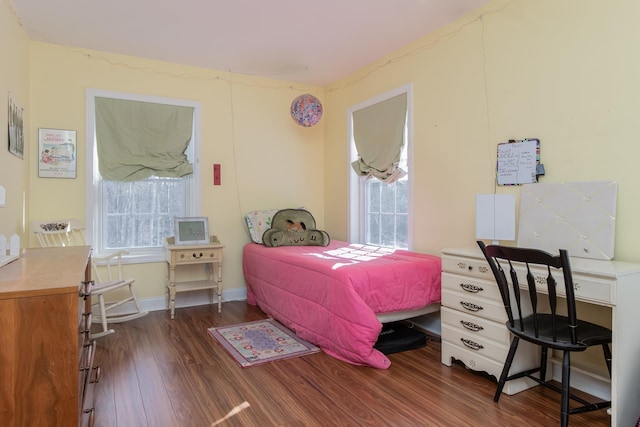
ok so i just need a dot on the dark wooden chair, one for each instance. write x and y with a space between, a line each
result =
548 329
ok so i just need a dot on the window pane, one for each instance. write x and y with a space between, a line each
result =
388 230
402 197
140 214
373 229
373 195
402 231
388 199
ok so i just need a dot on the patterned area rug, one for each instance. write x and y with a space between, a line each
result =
262 341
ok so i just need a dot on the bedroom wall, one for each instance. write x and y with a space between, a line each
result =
14 81
565 72
246 127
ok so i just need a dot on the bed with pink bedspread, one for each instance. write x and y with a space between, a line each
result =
333 296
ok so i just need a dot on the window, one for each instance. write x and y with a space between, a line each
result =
137 215
380 212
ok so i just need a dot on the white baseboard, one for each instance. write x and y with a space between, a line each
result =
584 380
187 299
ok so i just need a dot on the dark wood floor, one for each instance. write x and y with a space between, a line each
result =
162 372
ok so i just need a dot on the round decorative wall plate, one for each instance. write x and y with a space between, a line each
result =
306 110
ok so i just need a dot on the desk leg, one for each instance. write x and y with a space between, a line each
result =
219 287
172 290
172 300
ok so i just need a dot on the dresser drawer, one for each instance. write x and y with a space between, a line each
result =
475 326
471 285
467 266
474 343
474 305
478 362
194 256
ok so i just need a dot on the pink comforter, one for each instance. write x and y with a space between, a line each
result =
330 295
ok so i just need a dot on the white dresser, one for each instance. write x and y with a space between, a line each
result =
474 333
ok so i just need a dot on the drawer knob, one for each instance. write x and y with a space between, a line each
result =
471 326
471 306
472 344
471 288
197 256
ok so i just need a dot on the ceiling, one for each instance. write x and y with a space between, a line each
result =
313 43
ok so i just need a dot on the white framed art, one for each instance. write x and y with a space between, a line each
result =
56 153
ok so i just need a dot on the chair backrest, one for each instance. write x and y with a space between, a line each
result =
501 260
67 232
70 232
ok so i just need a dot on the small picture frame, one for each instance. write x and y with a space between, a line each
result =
191 230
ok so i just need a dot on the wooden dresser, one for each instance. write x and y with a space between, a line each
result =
46 352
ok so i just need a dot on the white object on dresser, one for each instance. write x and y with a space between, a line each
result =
612 284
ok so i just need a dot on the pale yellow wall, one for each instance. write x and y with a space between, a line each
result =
562 71
565 72
268 161
14 80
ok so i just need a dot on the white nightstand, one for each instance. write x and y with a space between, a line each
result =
184 255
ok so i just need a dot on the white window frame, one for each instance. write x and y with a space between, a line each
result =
356 229
93 189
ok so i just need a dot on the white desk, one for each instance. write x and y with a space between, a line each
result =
611 284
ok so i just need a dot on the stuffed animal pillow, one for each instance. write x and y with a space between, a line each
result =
294 227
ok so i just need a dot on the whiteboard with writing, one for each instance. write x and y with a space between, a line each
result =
518 162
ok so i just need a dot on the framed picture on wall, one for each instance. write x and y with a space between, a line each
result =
16 129
192 230
56 153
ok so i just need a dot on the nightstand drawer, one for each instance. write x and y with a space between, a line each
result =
196 256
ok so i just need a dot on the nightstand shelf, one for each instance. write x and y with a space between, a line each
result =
181 256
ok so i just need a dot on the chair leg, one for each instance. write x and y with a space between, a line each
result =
543 364
506 368
103 318
564 408
103 312
607 356
135 298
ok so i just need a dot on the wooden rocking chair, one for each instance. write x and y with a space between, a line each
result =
106 272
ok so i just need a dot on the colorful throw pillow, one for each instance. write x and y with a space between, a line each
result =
258 222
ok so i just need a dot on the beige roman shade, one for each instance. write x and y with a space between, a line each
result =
137 140
378 131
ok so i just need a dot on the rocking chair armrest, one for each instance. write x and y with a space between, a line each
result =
110 256
103 287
